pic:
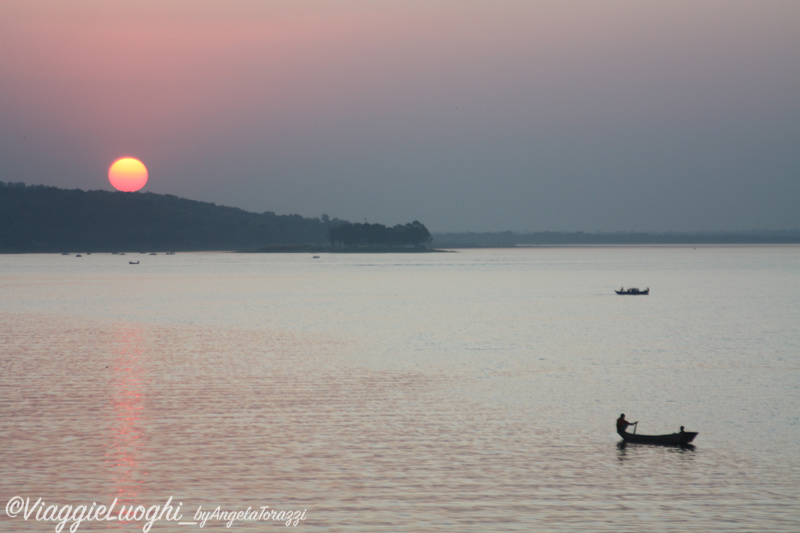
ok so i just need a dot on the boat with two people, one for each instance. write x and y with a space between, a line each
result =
633 291
681 438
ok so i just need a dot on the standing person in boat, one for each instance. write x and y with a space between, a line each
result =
623 424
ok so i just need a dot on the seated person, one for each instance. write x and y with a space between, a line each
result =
623 424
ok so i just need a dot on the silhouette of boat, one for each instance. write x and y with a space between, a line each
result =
682 438
133 262
633 291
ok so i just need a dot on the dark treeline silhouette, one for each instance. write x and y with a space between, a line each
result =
48 219
349 234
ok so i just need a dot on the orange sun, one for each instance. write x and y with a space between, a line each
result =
127 174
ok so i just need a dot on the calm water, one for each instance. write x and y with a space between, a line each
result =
470 391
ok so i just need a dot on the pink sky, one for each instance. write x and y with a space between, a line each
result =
466 115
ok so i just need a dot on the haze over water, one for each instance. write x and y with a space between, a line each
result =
469 391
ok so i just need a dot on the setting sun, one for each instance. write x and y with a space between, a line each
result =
127 174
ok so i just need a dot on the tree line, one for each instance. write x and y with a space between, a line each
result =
48 219
350 234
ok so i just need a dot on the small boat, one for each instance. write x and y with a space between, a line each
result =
133 262
682 438
632 291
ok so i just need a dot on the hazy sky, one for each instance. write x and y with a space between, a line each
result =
480 115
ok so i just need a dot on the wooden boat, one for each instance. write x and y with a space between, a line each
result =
681 438
633 291
133 262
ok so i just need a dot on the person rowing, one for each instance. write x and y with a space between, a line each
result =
623 424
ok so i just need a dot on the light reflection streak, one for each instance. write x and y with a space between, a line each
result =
128 400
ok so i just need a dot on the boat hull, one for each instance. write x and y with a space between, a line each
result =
672 439
634 292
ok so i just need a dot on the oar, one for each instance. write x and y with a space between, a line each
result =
635 425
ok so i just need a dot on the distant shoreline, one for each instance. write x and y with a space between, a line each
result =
39 219
444 249
561 239
615 245
286 249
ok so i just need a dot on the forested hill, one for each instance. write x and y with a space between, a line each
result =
49 219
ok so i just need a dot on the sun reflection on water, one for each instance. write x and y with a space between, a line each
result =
128 400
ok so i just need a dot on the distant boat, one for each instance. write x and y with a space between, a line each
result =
633 291
682 438
133 262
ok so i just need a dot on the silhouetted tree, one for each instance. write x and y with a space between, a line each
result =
48 219
365 234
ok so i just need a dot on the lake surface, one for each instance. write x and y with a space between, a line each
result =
464 392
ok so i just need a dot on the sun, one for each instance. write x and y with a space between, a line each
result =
127 174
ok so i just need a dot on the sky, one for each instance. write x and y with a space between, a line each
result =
467 115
